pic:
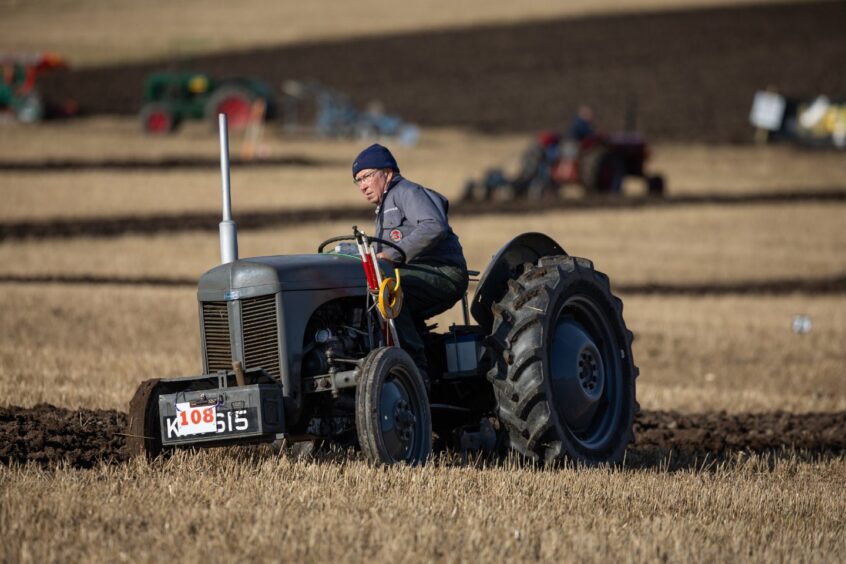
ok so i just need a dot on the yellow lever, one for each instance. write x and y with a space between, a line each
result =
390 297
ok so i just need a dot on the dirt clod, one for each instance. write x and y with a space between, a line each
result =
48 435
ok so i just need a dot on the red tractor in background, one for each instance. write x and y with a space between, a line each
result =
18 88
597 161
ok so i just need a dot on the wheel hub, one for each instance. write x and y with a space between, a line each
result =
404 419
577 373
398 419
588 371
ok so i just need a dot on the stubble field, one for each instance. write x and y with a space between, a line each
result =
739 451
740 413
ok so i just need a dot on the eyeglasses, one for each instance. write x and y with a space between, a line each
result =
358 181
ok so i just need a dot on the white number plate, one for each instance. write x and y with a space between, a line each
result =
191 421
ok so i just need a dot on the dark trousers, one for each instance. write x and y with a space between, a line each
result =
428 290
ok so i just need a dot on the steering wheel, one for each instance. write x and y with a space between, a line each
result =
390 244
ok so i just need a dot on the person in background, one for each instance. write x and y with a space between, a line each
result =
582 125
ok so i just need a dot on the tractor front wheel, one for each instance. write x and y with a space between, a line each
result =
564 378
157 119
655 185
393 420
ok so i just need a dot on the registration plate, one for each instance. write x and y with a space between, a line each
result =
209 420
221 415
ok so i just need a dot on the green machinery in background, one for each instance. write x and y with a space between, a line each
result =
171 97
19 96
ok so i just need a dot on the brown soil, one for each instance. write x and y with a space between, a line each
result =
690 74
114 226
48 435
182 163
777 287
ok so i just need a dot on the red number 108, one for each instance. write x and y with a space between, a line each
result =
197 416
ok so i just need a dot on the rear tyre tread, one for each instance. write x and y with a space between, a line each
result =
533 428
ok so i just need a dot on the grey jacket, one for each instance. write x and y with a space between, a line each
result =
415 218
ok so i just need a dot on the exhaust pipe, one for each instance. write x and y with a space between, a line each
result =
228 229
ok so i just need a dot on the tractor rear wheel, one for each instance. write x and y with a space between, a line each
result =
601 171
234 101
564 377
393 419
144 436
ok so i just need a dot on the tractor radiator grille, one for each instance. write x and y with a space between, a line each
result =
216 328
261 334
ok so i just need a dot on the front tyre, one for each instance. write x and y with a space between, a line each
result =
393 420
655 186
564 377
157 119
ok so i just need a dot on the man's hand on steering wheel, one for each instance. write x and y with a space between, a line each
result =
381 256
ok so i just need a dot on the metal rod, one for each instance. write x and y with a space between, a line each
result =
228 229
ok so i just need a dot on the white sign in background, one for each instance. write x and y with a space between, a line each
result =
767 110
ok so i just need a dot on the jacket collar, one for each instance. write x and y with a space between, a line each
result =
394 181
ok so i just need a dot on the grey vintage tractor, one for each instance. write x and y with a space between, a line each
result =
294 349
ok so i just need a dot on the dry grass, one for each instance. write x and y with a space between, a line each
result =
160 29
444 160
234 505
697 244
81 346
739 353
89 347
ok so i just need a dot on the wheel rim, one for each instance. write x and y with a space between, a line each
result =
586 375
237 110
158 122
399 417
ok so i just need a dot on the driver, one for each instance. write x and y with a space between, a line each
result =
434 276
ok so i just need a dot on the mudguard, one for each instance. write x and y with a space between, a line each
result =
507 265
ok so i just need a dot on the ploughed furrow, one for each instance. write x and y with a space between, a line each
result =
48 435
114 226
167 163
823 285
688 73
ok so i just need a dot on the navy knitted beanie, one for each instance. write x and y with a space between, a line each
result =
375 156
